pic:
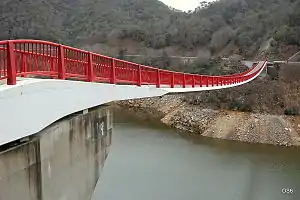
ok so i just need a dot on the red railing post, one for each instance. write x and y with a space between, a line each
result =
90 75
11 64
52 69
157 78
183 80
61 63
212 81
113 72
139 81
23 65
132 76
172 79
194 81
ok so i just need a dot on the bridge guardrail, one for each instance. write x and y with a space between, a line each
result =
41 58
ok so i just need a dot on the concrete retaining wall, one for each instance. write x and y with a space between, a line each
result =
62 162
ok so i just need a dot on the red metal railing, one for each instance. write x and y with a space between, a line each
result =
47 59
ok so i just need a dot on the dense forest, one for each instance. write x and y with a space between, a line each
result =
249 28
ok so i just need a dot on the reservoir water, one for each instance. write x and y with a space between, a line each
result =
148 161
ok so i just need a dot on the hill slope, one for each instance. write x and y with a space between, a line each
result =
223 28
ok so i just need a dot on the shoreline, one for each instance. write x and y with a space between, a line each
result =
248 127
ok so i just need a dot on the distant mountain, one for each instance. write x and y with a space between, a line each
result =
226 27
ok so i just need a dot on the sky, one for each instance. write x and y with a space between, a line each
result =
184 5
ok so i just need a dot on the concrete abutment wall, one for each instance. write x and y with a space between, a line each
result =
61 162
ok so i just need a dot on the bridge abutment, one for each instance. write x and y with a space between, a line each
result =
61 162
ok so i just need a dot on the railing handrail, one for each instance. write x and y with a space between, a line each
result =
36 57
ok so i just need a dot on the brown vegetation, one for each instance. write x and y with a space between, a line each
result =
278 93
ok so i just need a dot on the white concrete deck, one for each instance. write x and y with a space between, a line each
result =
33 104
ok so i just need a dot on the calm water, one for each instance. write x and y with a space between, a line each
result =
151 162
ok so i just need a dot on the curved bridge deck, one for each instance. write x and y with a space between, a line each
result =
78 80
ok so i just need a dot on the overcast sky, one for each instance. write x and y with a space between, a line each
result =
184 5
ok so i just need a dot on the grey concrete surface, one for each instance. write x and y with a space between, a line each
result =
62 162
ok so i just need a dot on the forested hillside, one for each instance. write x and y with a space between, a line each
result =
73 19
222 28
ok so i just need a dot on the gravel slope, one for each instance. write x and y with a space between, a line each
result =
222 124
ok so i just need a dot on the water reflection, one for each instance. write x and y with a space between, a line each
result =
148 161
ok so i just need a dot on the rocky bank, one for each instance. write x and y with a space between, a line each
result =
173 111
